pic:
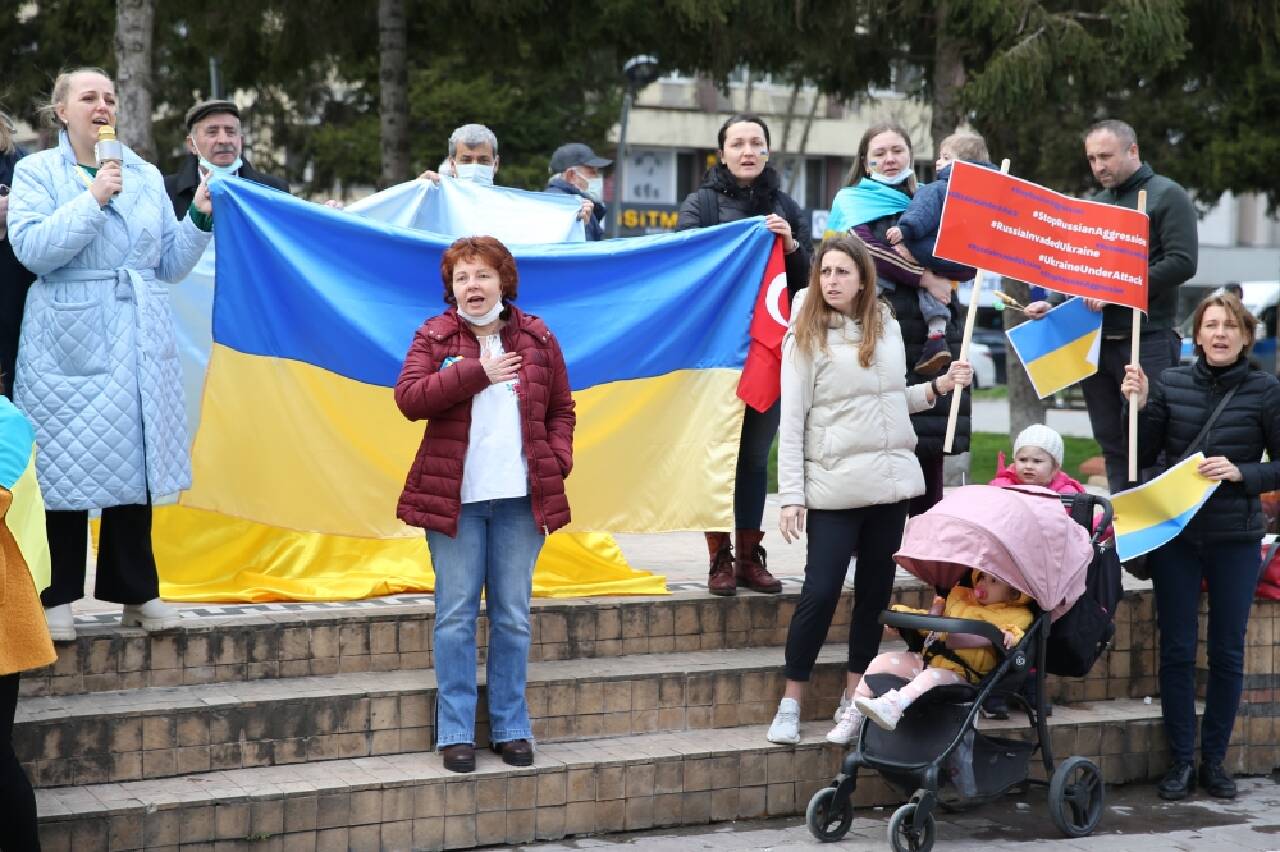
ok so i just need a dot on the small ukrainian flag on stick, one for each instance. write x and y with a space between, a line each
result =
1061 348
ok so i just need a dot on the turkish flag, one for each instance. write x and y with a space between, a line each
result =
761 382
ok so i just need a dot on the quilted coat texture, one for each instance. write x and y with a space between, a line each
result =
1176 411
845 439
98 371
432 492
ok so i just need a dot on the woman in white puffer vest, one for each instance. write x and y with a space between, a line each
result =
846 463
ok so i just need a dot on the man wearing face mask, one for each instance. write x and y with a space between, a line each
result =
473 156
576 170
214 144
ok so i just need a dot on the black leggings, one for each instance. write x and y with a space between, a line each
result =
751 482
126 563
875 534
18 831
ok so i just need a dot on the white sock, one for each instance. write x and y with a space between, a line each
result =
937 326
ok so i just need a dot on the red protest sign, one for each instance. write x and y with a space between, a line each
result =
1020 229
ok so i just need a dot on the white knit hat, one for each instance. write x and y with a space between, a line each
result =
1039 435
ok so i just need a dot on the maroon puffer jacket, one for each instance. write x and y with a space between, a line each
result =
432 492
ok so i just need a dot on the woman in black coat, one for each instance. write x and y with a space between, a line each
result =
743 184
1221 544
15 279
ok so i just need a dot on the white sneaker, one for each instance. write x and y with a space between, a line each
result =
847 727
785 729
885 711
844 705
62 624
151 616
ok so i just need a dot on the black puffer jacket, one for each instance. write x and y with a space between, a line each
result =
930 424
1177 409
762 197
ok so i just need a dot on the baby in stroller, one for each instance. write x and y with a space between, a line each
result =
944 660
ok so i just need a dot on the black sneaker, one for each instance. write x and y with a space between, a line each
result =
935 357
1178 782
1216 781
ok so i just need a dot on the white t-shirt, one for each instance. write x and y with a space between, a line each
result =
495 467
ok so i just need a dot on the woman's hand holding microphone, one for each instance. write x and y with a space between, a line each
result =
107 183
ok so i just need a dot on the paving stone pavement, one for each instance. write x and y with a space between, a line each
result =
1135 820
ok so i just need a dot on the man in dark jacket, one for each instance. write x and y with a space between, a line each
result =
1112 149
576 170
215 144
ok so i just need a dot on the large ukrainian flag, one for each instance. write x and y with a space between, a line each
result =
314 312
1152 514
1061 348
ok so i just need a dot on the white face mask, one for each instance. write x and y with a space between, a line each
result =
892 180
595 188
487 317
214 170
481 173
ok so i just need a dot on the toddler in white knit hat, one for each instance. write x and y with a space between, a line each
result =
1037 460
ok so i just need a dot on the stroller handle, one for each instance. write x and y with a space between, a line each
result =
942 624
1076 504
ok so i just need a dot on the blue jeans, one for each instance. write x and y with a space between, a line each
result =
496 546
1231 569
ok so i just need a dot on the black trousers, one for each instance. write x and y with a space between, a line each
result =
126 563
751 482
1158 349
875 534
18 830
931 464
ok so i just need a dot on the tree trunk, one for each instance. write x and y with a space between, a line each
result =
948 79
804 146
393 91
1025 407
135 24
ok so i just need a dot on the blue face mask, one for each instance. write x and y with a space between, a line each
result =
481 173
215 171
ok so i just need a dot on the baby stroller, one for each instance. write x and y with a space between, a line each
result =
935 755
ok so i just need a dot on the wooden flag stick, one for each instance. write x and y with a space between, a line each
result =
970 317
1133 360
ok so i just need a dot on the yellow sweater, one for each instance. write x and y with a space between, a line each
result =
1013 616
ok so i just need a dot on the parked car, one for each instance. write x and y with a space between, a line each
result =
984 368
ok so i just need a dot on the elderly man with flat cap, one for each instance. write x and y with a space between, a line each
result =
214 144
576 170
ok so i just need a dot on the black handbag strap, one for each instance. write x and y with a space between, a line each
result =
1208 424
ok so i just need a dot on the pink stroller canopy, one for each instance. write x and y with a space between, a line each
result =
1021 535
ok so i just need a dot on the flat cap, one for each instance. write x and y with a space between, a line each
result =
576 154
211 107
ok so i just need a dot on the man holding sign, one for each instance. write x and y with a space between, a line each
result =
1112 149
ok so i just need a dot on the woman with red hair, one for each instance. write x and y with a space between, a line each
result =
487 485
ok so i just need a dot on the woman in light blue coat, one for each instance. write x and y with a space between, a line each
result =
97 368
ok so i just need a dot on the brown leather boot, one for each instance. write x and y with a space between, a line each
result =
722 580
749 567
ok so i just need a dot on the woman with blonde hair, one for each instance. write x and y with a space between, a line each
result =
97 365
846 463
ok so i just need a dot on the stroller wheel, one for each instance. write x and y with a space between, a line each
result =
903 836
1076 797
828 820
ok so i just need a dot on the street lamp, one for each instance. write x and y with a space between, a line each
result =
640 71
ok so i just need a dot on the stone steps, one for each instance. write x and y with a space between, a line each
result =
408 801
157 732
266 642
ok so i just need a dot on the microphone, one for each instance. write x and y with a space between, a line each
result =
109 147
